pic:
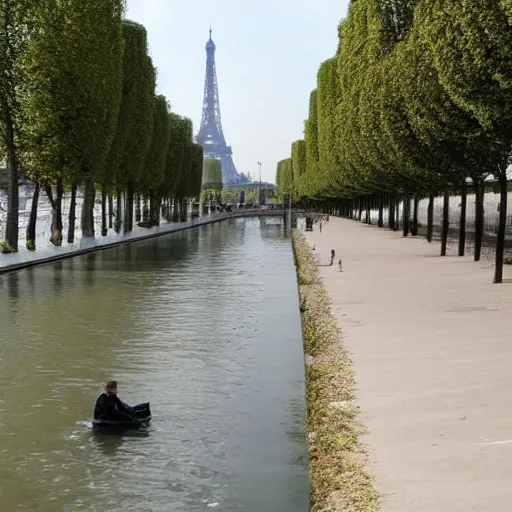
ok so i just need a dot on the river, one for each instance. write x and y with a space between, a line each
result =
205 325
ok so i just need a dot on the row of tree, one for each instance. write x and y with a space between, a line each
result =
416 102
79 109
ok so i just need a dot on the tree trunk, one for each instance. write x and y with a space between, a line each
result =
171 209
500 241
406 215
392 218
32 221
138 214
183 209
88 210
430 219
368 210
128 213
110 211
479 216
380 222
152 216
446 223
462 223
104 228
56 229
175 210
154 207
12 226
414 224
72 216
119 212
146 214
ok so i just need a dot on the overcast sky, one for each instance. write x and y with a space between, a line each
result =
268 53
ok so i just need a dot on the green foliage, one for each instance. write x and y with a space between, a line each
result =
15 33
179 157
328 97
305 185
471 44
154 169
284 176
311 132
417 98
135 123
5 248
16 27
72 96
184 145
78 107
397 19
299 158
191 172
212 174
196 171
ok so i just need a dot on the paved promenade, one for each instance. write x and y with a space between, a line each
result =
431 341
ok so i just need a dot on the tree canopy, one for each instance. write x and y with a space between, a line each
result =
79 109
416 101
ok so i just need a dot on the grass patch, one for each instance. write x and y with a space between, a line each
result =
5 248
337 459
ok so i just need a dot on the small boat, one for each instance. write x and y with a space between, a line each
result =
141 419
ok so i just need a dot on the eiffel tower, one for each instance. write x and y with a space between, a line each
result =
211 136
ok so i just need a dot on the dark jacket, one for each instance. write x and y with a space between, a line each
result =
112 408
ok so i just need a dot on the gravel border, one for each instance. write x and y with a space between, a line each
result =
337 458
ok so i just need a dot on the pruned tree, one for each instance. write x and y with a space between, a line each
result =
16 26
299 160
471 44
135 122
284 177
72 101
152 177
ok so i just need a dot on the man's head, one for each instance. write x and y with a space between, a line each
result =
111 387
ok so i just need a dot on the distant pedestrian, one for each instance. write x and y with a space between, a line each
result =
333 255
339 264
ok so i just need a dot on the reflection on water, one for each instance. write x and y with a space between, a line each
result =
205 325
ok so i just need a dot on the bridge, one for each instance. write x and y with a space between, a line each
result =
253 185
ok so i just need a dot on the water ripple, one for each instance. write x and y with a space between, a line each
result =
204 324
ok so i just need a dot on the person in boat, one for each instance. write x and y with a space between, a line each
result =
111 408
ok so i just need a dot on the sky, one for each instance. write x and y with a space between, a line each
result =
268 54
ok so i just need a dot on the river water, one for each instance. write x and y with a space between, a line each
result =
205 325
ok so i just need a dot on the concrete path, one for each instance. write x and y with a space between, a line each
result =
431 340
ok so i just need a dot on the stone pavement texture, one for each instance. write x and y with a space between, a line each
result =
431 341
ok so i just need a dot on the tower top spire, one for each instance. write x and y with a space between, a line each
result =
210 45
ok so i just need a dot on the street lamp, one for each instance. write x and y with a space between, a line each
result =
259 189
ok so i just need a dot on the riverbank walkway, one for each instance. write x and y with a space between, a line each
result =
431 341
